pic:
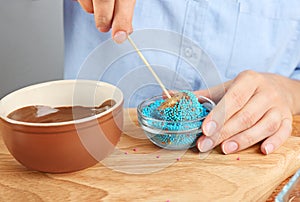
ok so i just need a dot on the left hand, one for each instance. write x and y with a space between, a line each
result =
251 108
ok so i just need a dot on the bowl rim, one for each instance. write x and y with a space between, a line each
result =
139 110
67 81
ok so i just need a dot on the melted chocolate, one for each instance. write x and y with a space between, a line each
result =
45 114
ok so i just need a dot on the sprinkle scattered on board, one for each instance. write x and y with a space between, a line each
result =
134 149
157 156
238 158
126 153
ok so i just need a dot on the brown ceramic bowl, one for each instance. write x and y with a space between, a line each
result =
63 146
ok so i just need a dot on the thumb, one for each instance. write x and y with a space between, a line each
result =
122 22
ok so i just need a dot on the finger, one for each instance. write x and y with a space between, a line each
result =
234 99
246 117
205 144
275 141
87 5
122 22
214 93
266 127
103 13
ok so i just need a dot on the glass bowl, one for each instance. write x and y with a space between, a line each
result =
290 192
172 135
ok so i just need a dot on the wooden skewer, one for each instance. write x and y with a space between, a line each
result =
149 67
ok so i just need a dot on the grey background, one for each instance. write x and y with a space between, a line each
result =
31 42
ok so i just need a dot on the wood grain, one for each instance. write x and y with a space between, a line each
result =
140 171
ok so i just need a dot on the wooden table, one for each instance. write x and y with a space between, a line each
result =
139 171
296 132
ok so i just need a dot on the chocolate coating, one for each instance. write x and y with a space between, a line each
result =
46 114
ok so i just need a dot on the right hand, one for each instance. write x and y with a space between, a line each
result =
254 107
111 14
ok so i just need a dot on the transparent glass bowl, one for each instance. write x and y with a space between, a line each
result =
290 192
184 138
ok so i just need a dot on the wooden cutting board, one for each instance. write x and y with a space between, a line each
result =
140 171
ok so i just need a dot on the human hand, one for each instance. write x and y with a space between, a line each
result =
251 108
111 14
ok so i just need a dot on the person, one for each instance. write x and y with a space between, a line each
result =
254 44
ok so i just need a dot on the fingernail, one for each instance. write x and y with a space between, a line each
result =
205 145
269 148
210 128
120 37
230 147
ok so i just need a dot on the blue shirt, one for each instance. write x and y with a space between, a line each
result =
233 35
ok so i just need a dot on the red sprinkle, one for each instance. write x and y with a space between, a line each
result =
238 158
177 159
125 152
135 149
157 157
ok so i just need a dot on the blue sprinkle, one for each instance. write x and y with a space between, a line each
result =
187 109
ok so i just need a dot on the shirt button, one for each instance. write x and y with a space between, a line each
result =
188 52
